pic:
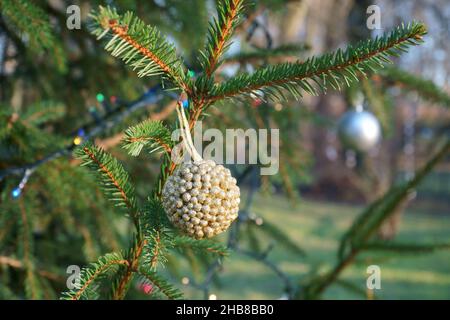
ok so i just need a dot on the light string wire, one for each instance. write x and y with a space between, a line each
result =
110 119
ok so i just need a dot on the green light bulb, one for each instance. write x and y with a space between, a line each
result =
100 97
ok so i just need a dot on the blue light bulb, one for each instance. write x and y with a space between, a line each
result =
185 103
81 132
16 192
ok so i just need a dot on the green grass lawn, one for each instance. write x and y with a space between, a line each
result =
317 227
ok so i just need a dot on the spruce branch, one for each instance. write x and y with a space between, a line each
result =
93 129
138 45
351 287
125 276
410 82
93 273
286 50
367 224
115 180
263 259
329 70
160 283
155 249
204 245
219 33
42 112
154 215
372 218
277 234
150 134
157 233
406 248
33 288
32 21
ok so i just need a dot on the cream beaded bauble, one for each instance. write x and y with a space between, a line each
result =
201 198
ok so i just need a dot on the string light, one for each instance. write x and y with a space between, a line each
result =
259 221
256 102
100 97
185 103
17 191
212 297
77 140
79 137
191 74
185 281
94 113
151 96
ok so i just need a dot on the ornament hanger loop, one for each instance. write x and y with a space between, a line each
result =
358 101
186 133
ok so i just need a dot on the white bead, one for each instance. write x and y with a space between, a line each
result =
215 190
207 185
186 197
197 184
201 197
199 234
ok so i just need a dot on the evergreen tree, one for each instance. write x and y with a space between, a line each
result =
77 211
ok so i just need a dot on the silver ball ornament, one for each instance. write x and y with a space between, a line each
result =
359 130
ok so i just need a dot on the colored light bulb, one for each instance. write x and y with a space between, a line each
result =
16 192
100 97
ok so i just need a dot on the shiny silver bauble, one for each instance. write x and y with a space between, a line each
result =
359 130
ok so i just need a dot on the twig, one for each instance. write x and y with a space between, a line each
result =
17 264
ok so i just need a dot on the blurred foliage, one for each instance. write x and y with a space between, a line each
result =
62 218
